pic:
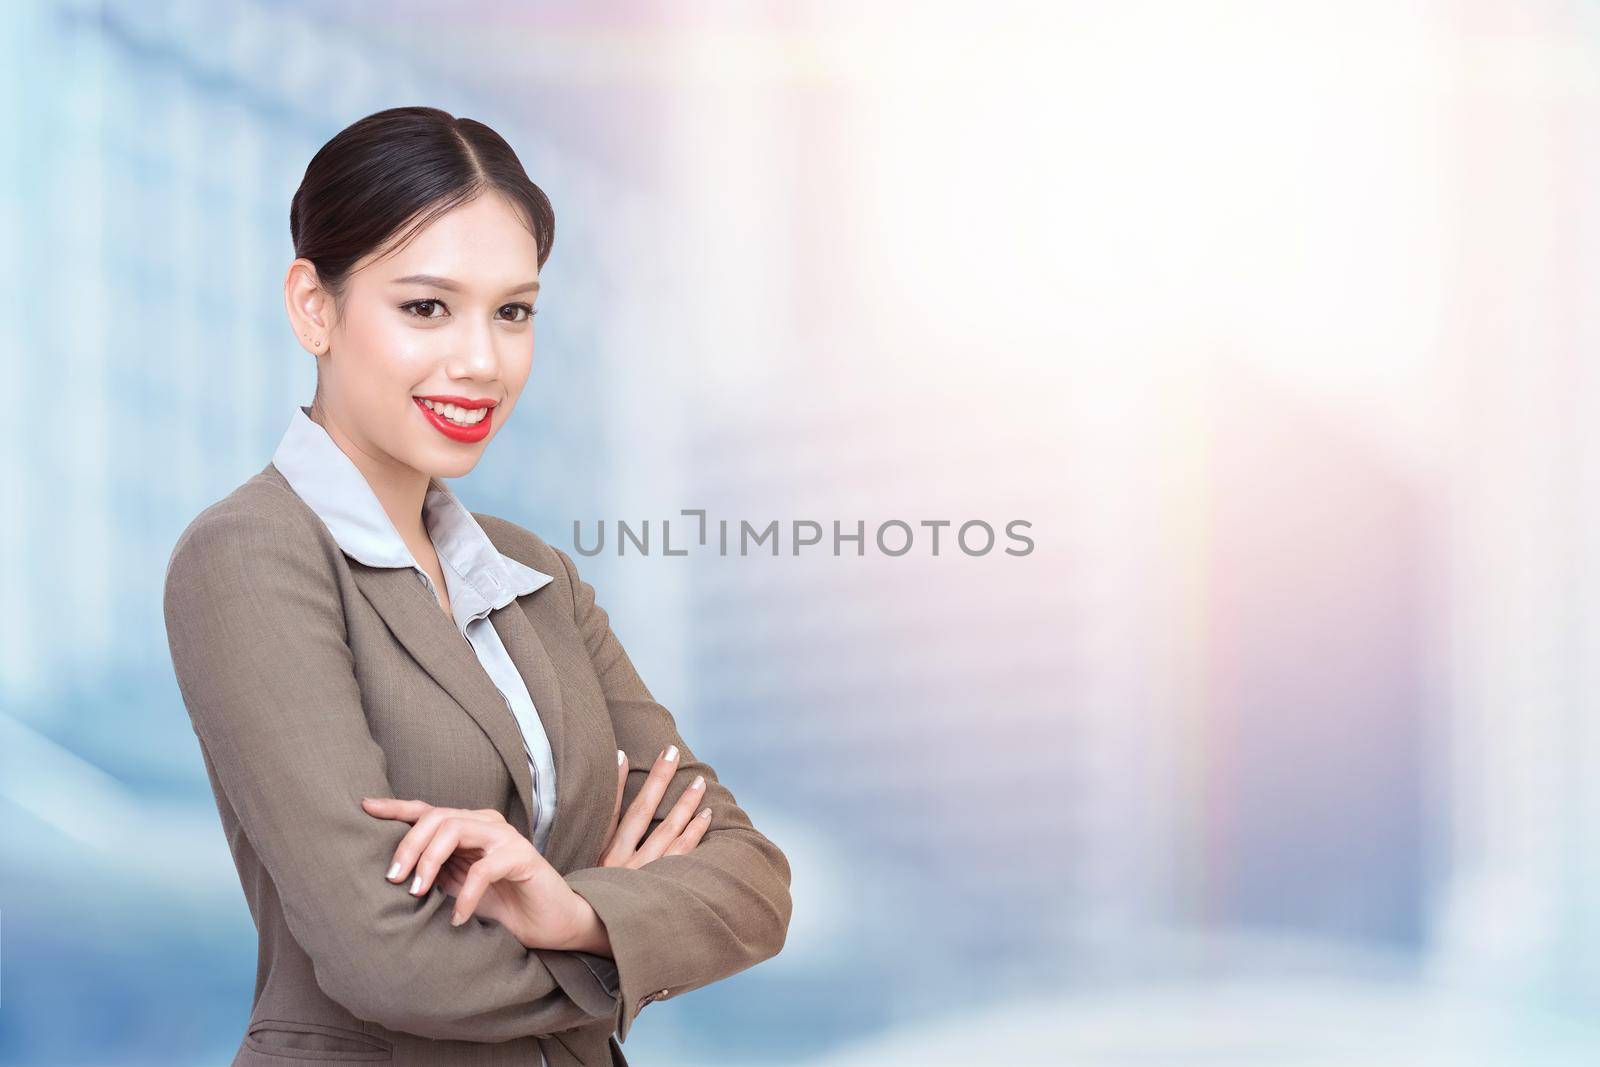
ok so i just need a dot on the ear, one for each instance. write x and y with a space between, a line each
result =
308 305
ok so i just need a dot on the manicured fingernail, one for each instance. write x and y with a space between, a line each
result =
622 757
456 920
671 753
705 813
394 871
699 780
416 884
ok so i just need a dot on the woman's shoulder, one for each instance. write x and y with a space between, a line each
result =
259 519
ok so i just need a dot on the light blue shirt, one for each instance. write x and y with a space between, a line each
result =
477 576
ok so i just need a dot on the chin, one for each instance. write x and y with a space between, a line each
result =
457 469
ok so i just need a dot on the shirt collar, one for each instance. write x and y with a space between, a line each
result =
478 576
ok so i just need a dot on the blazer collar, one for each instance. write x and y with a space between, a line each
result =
478 577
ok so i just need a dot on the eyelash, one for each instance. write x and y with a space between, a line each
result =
529 308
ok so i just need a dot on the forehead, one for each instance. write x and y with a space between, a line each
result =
483 243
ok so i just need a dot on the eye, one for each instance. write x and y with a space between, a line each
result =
528 311
412 305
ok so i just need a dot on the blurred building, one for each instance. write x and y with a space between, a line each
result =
963 733
1320 691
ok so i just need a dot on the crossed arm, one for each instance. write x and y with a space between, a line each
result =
681 921
258 642
257 635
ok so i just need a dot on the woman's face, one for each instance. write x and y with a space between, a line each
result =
447 316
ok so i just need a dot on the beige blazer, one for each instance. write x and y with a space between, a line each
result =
312 680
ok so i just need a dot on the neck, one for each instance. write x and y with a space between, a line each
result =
399 488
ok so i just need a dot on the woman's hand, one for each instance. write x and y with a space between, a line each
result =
489 867
678 833
495 872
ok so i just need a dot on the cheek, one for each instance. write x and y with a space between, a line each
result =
518 370
381 326
391 372
400 366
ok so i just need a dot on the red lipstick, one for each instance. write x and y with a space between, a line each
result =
452 430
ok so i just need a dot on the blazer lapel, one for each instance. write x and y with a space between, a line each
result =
421 626
527 651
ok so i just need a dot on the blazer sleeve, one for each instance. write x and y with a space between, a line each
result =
682 921
256 627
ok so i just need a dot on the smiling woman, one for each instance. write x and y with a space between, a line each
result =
466 830
415 302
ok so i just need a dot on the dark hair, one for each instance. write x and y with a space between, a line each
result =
405 164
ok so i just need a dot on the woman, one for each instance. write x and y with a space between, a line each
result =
466 831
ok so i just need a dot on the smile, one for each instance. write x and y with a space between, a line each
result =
458 418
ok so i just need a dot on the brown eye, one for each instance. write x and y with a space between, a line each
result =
413 305
528 312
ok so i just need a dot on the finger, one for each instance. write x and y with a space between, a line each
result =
480 876
417 838
622 786
412 810
616 807
640 813
673 825
393 808
691 834
412 844
451 834
452 874
464 836
457 836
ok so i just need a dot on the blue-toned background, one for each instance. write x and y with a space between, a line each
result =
1275 320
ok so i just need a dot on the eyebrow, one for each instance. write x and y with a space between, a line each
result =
455 287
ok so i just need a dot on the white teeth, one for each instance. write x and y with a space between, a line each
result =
459 416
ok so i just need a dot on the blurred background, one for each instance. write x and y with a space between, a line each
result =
1269 318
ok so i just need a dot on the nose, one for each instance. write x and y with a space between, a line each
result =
476 357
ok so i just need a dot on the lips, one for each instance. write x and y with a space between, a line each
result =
465 434
461 401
